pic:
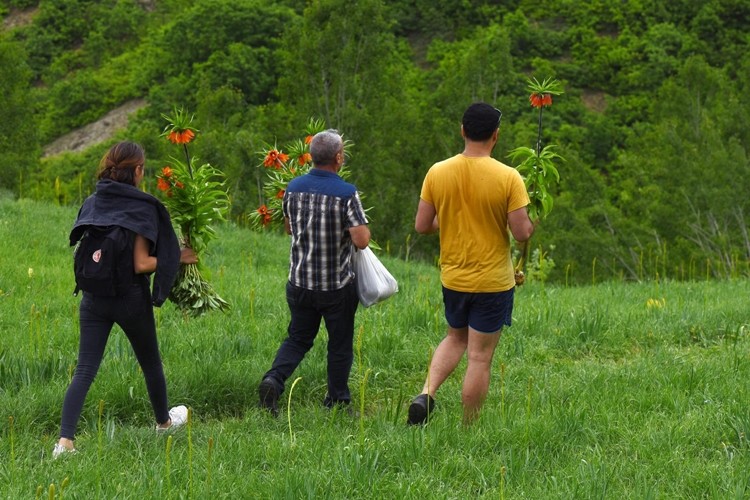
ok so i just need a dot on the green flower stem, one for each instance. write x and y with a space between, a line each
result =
521 264
190 167
539 133
193 294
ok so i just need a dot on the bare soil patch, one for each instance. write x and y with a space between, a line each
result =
595 100
17 18
95 132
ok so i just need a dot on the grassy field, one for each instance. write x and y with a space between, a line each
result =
609 391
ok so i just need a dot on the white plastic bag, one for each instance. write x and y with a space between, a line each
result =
374 282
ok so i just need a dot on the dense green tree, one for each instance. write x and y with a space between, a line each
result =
211 26
73 102
59 25
18 4
478 68
361 82
19 144
684 173
653 123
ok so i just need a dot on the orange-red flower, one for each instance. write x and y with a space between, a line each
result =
304 158
280 194
270 159
162 184
308 139
275 159
538 100
166 171
179 184
265 212
181 136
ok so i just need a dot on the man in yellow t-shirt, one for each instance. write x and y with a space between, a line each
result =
472 199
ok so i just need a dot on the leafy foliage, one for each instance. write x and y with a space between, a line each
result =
281 167
197 201
654 106
19 142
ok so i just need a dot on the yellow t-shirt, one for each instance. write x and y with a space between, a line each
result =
472 197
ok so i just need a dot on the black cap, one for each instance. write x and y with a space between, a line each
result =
480 121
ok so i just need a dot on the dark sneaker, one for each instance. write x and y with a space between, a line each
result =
339 406
420 409
269 396
342 409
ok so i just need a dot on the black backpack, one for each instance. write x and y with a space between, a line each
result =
103 261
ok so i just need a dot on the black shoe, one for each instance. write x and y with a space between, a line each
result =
269 396
420 409
340 406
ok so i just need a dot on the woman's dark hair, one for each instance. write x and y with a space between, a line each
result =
121 161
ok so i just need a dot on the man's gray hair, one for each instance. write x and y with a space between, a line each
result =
324 147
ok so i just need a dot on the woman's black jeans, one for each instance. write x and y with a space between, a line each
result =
337 308
134 313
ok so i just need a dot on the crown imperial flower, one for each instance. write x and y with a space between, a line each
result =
191 193
538 99
537 165
275 159
280 167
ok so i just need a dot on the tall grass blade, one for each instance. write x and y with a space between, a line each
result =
190 451
289 409
168 466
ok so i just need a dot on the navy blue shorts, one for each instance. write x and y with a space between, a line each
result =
483 312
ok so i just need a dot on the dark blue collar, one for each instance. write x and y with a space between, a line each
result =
322 173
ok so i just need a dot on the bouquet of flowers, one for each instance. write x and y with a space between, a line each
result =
196 199
281 167
537 164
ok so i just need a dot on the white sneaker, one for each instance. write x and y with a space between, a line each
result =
178 415
60 450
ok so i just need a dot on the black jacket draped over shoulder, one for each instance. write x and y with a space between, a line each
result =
118 204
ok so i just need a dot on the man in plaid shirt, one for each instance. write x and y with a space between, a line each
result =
324 215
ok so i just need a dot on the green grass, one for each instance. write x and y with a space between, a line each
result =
597 392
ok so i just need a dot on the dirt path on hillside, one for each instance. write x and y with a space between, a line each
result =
17 18
95 132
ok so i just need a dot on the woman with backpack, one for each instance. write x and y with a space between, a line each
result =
125 234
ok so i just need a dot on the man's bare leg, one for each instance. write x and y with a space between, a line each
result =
480 350
446 358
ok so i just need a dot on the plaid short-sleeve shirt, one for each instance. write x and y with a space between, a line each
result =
321 207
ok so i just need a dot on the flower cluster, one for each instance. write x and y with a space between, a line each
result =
178 129
537 164
265 214
181 137
281 166
275 159
196 199
538 100
167 181
656 303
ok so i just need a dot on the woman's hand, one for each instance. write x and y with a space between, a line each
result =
188 256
